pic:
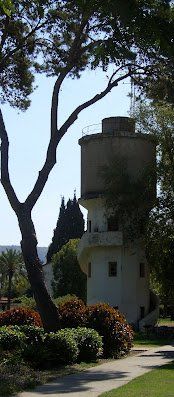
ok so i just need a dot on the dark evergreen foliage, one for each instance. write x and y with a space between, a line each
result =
68 277
70 225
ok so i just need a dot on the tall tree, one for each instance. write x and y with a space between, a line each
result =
68 277
62 38
70 225
158 119
11 265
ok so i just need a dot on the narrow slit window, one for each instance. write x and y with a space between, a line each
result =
142 270
142 312
89 226
89 270
112 270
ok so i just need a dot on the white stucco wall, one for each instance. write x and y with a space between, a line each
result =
135 289
127 290
101 287
96 214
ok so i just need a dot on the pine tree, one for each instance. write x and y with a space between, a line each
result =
70 225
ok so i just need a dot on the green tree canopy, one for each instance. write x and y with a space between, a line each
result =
68 277
159 121
62 38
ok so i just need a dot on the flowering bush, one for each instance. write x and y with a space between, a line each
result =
111 324
20 316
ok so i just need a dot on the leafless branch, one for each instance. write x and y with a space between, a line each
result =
5 179
56 137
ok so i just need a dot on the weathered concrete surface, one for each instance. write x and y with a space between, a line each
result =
96 380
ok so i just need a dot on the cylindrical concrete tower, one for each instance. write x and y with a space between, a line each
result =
117 272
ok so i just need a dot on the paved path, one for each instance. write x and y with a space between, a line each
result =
94 381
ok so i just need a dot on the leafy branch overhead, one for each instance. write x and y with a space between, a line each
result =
65 37
62 38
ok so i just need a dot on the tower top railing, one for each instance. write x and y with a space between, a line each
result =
92 129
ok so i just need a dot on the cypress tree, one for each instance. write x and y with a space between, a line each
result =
70 225
59 237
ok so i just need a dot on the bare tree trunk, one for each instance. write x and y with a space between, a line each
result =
47 309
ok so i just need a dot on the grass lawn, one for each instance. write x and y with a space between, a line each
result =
150 341
141 340
166 321
156 383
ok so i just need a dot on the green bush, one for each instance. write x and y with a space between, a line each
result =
60 348
89 343
20 316
15 376
34 335
63 299
11 339
111 324
25 301
72 314
33 350
35 355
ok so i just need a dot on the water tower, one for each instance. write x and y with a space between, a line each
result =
117 270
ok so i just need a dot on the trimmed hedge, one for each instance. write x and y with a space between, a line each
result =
89 343
111 324
44 350
116 333
11 339
61 347
20 316
72 314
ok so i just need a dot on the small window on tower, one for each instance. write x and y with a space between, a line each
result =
142 269
142 312
89 270
112 224
89 226
112 269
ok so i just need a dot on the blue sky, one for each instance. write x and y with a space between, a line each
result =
29 134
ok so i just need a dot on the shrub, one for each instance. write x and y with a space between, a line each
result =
63 299
25 301
10 338
35 354
89 343
72 314
15 376
34 335
111 324
20 316
60 347
33 350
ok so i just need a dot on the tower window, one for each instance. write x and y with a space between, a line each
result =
112 270
142 270
89 270
112 224
89 226
142 312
